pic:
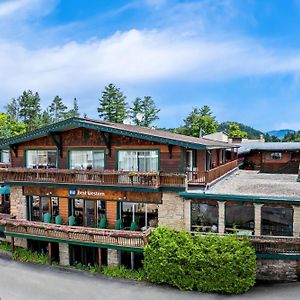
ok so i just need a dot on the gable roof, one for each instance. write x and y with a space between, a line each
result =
145 133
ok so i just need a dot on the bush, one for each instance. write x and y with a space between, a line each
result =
207 263
25 255
122 272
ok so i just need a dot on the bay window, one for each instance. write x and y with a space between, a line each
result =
136 160
87 159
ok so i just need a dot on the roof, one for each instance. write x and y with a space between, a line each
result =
274 146
253 186
146 133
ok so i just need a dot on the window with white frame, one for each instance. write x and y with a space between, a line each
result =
5 156
41 158
141 161
87 159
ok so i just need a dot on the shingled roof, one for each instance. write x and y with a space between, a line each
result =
146 133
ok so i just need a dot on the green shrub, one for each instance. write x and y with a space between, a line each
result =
25 255
207 263
5 246
89 267
122 272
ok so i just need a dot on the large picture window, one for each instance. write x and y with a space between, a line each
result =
204 217
41 159
140 161
87 159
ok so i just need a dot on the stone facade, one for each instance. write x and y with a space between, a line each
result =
171 211
113 257
296 223
17 202
276 270
64 254
187 215
257 218
221 205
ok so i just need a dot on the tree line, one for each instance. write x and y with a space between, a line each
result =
24 114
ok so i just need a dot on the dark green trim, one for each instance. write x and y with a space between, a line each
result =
241 198
91 124
40 149
278 256
80 243
136 149
172 188
69 149
2 228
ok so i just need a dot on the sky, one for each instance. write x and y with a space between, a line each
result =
240 57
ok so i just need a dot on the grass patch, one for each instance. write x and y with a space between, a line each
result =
122 272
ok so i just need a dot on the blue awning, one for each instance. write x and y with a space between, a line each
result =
4 190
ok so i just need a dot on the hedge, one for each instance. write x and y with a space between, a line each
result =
221 264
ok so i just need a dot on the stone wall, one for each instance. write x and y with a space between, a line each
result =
113 257
64 254
171 211
277 270
17 202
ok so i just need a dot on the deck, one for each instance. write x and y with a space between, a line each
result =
92 177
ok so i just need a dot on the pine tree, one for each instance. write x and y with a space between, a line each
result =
74 112
113 106
46 118
13 109
57 109
30 107
144 111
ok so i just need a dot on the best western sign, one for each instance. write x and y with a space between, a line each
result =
86 193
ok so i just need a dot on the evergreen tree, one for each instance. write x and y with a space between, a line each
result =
30 108
199 122
74 112
113 106
57 109
46 118
144 111
13 109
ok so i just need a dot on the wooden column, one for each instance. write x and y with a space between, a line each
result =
99 260
221 225
13 243
49 253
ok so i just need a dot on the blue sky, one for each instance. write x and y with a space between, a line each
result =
241 57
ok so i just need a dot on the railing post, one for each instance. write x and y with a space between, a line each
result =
221 221
257 218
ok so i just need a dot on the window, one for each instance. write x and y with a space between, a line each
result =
87 159
145 215
204 217
87 212
277 221
142 161
275 156
37 206
4 156
239 217
41 159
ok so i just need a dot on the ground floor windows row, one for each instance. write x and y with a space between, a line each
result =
240 217
89 213
81 256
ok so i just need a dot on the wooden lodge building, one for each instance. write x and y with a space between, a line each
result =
90 191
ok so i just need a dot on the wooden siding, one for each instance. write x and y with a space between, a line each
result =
64 209
87 138
111 213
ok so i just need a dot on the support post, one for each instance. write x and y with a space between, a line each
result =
99 260
221 225
13 243
296 221
257 218
49 253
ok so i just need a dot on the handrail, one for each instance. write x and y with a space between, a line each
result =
99 177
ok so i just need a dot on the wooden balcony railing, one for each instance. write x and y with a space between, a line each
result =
4 165
206 177
92 177
122 238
